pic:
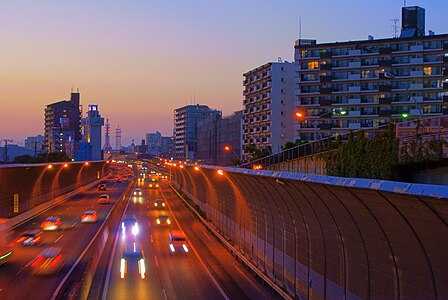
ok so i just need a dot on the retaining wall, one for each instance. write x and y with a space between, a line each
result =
328 237
35 184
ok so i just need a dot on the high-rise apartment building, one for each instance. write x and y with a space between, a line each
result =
63 123
185 125
268 106
167 147
353 85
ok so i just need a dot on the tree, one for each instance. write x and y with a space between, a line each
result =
23 159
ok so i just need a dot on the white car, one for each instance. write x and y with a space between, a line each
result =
89 216
138 192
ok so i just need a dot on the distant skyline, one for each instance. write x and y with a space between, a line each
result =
139 60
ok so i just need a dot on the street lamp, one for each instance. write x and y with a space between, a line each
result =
228 148
301 118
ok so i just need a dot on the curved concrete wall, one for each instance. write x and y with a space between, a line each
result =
327 237
36 184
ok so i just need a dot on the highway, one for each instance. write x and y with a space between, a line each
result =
16 279
207 271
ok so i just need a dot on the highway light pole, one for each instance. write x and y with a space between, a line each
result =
228 148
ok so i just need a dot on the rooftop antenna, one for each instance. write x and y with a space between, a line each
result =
395 26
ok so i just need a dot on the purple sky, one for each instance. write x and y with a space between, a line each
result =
141 59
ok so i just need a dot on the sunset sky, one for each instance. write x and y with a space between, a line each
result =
138 60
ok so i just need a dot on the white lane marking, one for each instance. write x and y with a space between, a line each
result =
164 294
60 237
221 290
26 266
73 225
156 261
152 241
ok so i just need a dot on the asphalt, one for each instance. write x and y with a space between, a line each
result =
207 271
16 279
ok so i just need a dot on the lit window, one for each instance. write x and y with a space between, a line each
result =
427 70
313 65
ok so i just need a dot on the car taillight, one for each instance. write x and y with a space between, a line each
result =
56 260
21 239
37 261
84 216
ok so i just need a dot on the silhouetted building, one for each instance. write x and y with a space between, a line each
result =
154 142
167 147
92 131
185 125
35 143
62 123
412 21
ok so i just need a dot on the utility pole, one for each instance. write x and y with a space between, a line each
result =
5 152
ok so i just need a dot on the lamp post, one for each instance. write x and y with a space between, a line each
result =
228 148
301 117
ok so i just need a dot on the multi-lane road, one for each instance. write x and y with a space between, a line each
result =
207 271
16 278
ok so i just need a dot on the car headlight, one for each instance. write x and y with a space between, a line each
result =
142 268
135 229
158 221
122 267
172 248
185 247
168 221
163 204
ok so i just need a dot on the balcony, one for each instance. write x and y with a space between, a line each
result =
354 113
416 86
354 89
385 63
325 54
354 52
354 126
326 78
416 48
385 113
416 73
325 102
385 50
354 64
354 76
445 58
385 87
325 126
354 101
325 66
445 46
445 85
384 101
445 99
416 61
324 90
445 72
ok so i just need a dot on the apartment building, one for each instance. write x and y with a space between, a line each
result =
268 106
185 129
353 85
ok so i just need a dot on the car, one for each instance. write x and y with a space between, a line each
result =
133 260
5 255
30 237
177 241
138 192
153 183
159 203
51 223
102 187
103 199
49 261
129 226
163 220
89 216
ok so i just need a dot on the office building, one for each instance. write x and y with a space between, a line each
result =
167 147
268 106
154 142
63 123
219 139
92 131
185 126
346 86
35 143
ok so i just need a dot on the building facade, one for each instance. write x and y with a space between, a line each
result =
92 125
63 123
353 85
35 143
268 106
185 126
154 142
219 139
167 147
